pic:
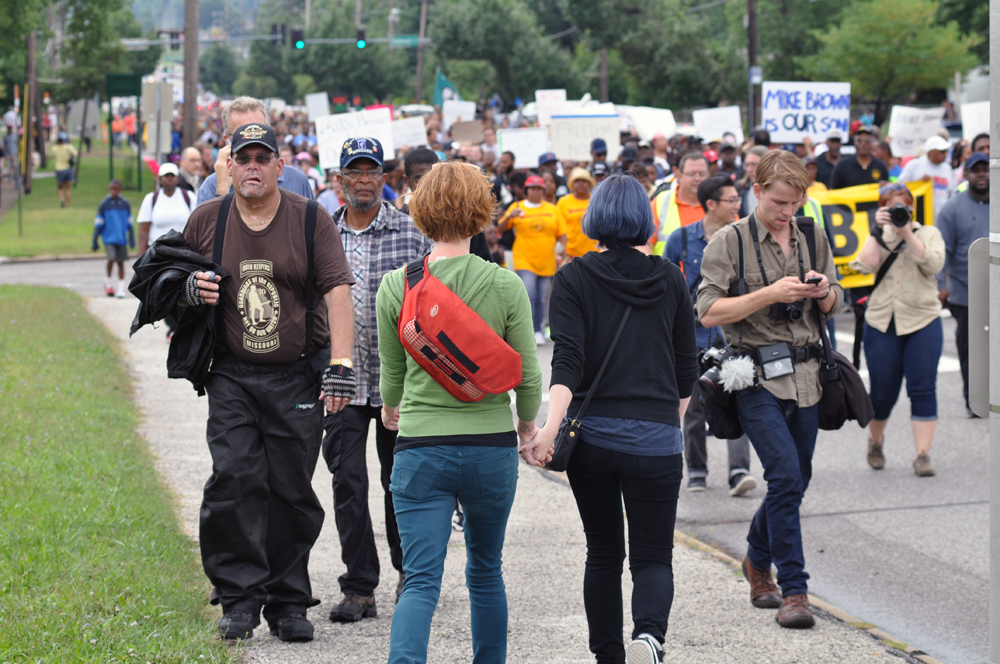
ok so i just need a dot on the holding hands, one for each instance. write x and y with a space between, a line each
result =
534 446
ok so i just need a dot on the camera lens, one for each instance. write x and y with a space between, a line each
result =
900 215
795 312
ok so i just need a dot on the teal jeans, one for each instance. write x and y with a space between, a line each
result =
425 483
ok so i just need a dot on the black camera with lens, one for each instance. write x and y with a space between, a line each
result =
710 360
792 312
900 215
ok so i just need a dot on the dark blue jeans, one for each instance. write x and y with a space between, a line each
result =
648 485
891 356
784 436
538 294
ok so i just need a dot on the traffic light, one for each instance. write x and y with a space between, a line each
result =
278 34
298 39
361 39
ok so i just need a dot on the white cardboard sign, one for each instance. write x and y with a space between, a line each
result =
793 109
318 105
454 111
526 144
409 131
333 131
975 119
549 103
714 122
909 127
570 136
648 121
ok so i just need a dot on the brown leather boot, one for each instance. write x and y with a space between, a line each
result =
795 614
763 591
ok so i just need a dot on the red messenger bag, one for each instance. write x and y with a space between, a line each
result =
451 342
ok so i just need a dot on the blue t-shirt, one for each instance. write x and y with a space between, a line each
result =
691 265
114 221
637 437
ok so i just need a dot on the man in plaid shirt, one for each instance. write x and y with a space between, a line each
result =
377 238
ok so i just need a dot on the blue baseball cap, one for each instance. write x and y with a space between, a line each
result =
976 158
598 145
361 148
546 158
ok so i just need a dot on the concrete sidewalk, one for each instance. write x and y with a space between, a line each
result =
712 620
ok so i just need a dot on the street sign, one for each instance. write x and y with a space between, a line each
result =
756 75
124 85
405 40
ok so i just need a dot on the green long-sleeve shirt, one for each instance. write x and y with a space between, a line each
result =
426 408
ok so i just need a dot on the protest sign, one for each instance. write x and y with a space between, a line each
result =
409 131
454 111
549 103
467 132
975 119
526 144
714 122
649 122
276 105
793 109
333 131
909 127
570 136
318 105
847 211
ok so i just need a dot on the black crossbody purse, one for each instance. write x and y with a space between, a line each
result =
569 428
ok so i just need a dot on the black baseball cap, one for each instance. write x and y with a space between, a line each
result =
254 134
362 148
976 158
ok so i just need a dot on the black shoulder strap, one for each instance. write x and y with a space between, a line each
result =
220 236
804 224
742 272
882 271
311 209
604 364
752 224
187 199
156 195
414 273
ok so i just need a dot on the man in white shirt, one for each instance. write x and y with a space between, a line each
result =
164 210
933 167
490 143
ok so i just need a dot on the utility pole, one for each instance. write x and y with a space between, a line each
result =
392 20
357 14
308 14
419 90
191 21
994 318
30 92
751 60
603 74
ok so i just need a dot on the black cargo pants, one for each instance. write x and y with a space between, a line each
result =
260 516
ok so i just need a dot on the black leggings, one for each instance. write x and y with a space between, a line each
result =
601 479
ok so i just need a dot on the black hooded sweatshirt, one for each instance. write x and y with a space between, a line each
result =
655 363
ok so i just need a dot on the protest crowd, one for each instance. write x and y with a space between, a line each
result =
687 285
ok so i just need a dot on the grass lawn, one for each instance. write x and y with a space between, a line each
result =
93 566
51 230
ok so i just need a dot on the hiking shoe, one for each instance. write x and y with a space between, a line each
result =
399 586
645 649
697 484
922 466
795 613
292 627
458 519
875 457
238 625
763 591
353 608
741 483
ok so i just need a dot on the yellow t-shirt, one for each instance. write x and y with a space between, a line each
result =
572 209
61 155
535 237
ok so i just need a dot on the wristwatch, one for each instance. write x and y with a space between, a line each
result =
345 361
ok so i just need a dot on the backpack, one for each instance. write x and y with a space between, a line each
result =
450 341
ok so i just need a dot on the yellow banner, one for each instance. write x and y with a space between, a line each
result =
846 212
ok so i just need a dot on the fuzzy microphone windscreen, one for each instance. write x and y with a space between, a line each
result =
737 373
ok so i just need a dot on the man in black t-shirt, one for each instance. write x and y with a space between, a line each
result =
826 162
861 167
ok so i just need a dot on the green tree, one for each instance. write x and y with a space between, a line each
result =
891 49
973 18
91 49
504 33
218 69
125 24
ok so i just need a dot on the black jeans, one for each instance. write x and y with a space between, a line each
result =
260 516
601 479
344 447
961 316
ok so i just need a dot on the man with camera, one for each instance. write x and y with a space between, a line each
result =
761 284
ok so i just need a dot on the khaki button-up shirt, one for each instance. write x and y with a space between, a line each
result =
719 269
909 291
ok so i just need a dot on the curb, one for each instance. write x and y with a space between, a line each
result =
52 258
885 638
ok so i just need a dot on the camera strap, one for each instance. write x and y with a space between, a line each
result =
760 261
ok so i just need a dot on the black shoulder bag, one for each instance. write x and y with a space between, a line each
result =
569 428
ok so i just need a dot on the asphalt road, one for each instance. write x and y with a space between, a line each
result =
905 553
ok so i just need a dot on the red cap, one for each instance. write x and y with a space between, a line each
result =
712 156
534 181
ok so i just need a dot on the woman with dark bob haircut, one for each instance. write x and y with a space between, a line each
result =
630 444
449 449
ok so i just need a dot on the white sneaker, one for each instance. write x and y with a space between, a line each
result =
539 338
644 650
